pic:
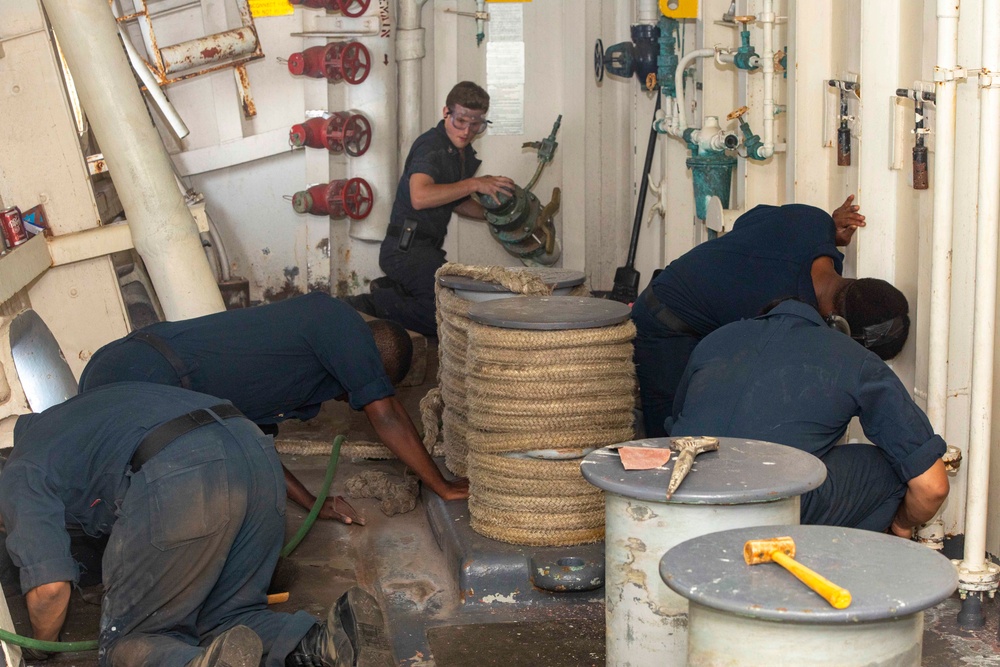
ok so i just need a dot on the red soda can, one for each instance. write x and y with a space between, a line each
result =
13 231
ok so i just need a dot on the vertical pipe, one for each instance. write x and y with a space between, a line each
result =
647 12
410 52
162 227
766 20
944 199
984 325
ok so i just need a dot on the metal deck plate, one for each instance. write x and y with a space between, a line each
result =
741 471
491 572
887 576
557 278
550 313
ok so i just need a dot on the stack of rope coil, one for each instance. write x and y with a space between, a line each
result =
543 390
453 322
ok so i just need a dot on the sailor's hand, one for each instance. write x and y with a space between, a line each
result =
847 220
493 186
455 489
337 509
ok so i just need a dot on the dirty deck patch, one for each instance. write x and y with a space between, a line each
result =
562 643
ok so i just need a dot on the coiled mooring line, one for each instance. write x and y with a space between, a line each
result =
543 390
453 323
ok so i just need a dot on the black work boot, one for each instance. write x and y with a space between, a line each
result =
383 282
352 636
236 647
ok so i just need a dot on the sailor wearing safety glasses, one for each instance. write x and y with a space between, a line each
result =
438 179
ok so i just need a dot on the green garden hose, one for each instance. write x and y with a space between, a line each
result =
48 647
73 647
331 468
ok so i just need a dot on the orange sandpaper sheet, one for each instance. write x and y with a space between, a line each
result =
643 458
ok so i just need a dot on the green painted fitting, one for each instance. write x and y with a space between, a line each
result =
713 176
752 142
746 53
687 136
666 61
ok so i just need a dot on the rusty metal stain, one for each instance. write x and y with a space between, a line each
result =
640 512
246 99
211 52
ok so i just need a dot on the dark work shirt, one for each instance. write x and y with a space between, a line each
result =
274 362
788 378
433 154
68 468
767 255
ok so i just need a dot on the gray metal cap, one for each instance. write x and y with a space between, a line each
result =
887 576
550 313
555 277
741 471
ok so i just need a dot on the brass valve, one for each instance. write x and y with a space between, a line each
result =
736 114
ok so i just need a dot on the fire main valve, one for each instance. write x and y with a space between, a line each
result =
337 61
342 132
352 8
351 197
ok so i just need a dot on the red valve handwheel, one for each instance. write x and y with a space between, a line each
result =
357 198
357 135
353 8
355 63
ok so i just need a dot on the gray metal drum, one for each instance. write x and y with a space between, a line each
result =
744 483
891 581
562 281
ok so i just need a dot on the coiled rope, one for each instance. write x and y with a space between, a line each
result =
453 323
532 390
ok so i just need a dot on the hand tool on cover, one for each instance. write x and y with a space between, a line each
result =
781 550
687 449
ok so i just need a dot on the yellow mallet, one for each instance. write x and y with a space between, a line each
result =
781 550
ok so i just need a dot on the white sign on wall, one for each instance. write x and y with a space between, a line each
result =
505 68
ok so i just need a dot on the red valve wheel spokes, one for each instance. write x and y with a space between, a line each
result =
355 63
357 135
357 198
353 8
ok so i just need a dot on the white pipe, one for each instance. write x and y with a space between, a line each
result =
647 12
156 94
220 249
944 198
984 325
766 20
165 234
680 118
480 23
410 51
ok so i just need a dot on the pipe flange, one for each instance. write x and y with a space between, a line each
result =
983 578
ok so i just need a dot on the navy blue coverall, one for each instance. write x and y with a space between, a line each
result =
274 362
411 301
767 255
194 533
786 377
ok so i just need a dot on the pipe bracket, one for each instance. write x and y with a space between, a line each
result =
988 79
950 74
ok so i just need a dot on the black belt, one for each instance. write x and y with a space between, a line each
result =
167 432
167 353
396 231
665 316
